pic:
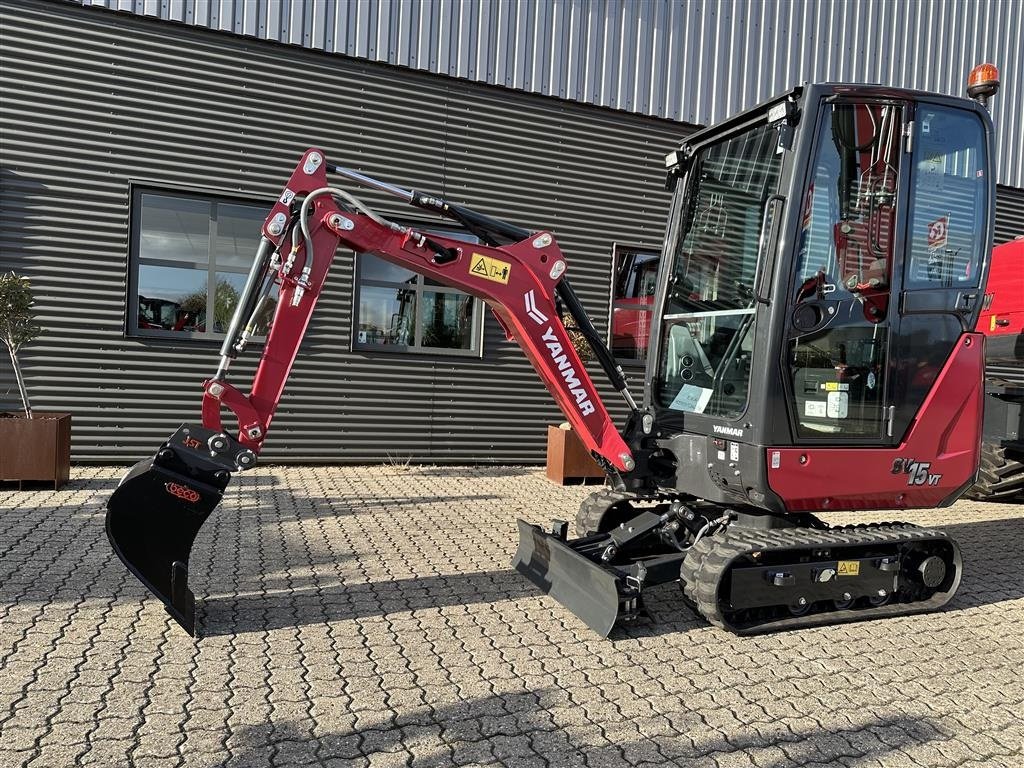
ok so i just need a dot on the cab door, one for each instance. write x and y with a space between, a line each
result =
843 315
947 236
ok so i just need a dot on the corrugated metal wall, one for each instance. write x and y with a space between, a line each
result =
692 60
1009 214
93 100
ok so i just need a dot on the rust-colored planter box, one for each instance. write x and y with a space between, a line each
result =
36 449
568 460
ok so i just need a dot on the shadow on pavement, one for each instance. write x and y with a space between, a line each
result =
479 470
230 615
526 729
316 507
991 552
991 575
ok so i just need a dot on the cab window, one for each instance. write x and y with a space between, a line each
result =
948 200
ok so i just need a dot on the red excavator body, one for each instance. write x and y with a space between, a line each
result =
811 347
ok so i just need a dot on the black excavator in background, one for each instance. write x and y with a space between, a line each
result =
812 348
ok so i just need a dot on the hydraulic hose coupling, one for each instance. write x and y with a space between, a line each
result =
300 286
290 261
243 340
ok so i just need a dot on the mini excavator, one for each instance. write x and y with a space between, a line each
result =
811 349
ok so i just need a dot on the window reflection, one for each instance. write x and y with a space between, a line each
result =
401 310
374 268
192 257
632 300
447 320
949 190
386 316
839 346
171 298
175 229
708 326
238 235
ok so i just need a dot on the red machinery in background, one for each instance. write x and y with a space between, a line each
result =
1001 475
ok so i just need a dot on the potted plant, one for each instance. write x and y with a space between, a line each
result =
33 445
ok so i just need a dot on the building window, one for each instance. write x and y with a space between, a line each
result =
403 311
191 255
635 272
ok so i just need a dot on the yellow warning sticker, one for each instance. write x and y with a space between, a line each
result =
848 568
489 268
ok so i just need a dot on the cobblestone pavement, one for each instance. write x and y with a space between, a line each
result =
368 616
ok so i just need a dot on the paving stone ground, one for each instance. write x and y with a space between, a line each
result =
356 616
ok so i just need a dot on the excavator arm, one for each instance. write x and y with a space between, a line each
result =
519 281
158 509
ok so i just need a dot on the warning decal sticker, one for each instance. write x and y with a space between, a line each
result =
817 408
489 268
848 568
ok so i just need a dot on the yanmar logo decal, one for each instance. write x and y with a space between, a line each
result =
565 368
568 373
731 431
531 309
182 492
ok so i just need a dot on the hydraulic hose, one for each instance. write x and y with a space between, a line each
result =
604 356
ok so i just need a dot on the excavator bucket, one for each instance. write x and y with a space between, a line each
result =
155 513
598 594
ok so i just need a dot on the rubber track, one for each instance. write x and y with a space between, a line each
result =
603 510
710 558
596 507
1000 476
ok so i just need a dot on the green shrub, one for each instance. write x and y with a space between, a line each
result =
18 325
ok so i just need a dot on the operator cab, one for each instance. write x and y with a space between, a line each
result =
822 268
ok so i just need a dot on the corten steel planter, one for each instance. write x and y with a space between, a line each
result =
568 460
36 449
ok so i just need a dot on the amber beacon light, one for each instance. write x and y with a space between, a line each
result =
983 82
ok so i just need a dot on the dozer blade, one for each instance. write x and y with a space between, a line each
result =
597 594
154 515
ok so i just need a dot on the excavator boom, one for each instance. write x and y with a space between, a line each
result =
158 509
